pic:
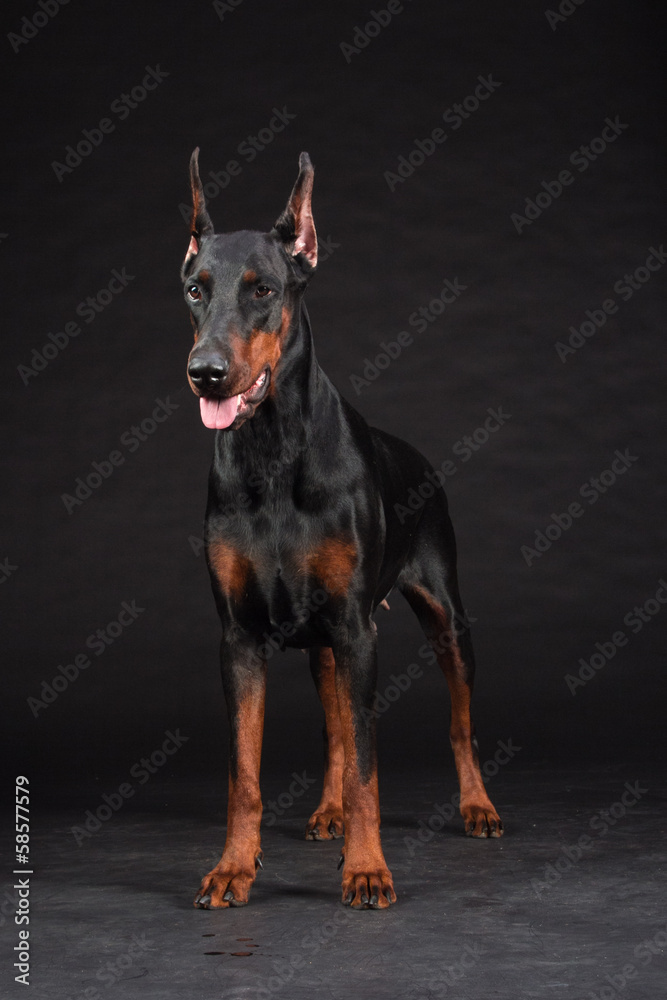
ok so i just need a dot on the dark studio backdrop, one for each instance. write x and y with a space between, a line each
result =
496 168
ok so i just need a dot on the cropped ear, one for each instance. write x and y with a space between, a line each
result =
295 227
201 224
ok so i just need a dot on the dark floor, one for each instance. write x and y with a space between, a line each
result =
570 903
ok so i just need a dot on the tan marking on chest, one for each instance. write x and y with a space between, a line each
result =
333 563
230 567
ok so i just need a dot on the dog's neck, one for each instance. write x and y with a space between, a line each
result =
296 408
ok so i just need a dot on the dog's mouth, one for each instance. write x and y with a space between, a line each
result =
217 414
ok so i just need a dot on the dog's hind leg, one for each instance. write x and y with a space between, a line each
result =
430 586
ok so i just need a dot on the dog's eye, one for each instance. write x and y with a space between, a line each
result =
194 293
261 291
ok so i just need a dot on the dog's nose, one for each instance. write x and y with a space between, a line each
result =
208 374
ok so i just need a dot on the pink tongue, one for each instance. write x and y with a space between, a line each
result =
218 413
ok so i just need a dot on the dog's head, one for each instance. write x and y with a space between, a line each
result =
243 292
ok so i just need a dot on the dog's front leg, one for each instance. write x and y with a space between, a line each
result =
244 682
326 823
366 879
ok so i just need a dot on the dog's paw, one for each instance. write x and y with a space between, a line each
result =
226 886
481 820
326 823
370 889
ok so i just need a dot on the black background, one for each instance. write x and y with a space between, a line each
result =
494 347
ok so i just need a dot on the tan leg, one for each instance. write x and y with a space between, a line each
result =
367 880
455 657
326 823
228 884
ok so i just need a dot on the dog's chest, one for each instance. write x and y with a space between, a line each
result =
280 549
294 565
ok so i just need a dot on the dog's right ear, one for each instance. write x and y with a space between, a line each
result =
201 224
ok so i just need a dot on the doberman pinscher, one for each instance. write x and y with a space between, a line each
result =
323 525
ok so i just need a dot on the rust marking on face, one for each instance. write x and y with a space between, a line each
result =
286 319
204 276
262 349
333 563
250 276
231 568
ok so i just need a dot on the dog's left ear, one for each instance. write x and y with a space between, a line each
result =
295 227
201 224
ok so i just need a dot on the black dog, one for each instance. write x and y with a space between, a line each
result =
324 525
